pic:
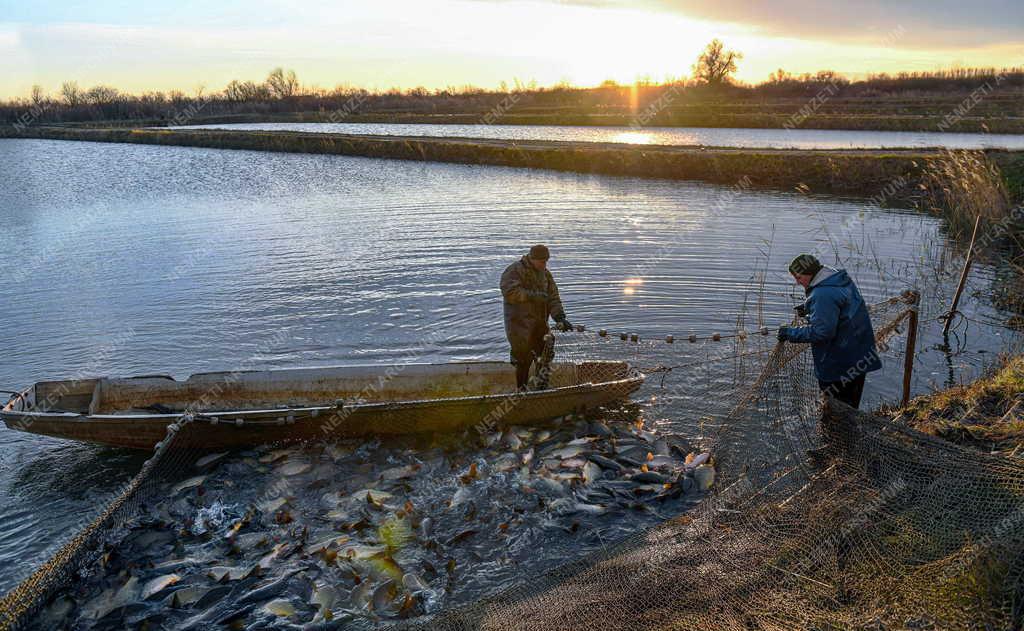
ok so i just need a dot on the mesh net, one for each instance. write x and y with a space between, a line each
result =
817 518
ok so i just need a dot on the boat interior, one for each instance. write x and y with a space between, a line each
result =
297 387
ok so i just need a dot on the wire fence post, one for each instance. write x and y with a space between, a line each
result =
908 361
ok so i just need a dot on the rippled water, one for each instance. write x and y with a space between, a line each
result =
126 259
708 137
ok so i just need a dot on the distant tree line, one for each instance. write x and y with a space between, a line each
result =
281 92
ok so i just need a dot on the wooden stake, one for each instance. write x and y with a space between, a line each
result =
948 317
908 360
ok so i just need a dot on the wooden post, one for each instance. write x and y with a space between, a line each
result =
908 361
948 317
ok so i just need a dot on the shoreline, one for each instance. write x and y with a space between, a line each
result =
710 119
889 176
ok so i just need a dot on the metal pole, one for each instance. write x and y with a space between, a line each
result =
948 317
908 360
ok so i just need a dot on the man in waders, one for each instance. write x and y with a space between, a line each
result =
530 297
839 329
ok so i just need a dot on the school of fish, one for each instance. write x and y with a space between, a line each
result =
348 534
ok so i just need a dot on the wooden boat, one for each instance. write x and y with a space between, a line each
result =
242 408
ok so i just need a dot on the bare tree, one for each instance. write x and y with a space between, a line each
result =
100 94
282 84
37 96
716 65
242 91
71 94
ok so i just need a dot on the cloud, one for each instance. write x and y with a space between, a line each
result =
921 23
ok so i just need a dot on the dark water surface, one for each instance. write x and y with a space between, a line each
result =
704 136
124 259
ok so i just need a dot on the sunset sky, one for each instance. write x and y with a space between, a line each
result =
139 46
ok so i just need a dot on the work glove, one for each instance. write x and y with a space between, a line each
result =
564 324
801 309
783 334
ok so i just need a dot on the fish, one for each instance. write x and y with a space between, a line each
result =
407 606
591 472
337 452
584 440
112 600
281 608
210 459
295 468
361 551
274 456
158 584
221 573
186 596
338 514
649 437
385 564
592 509
470 475
542 435
693 460
513 441
604 463
269 507
704 477
399 473
362 594
324 596
506 462
190 483
268 591
460 496
55 613
645 489
370 496
527 456
384 595
413 583
567 452
465 534
648 477
490 438
573 463
548 486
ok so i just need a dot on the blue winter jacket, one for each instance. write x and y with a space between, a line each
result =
840 333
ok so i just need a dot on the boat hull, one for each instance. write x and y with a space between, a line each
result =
347 418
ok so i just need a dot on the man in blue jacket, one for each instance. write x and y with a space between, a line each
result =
839 329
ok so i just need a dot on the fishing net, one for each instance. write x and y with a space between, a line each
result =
819 517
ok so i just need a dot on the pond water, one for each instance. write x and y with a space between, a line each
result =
129 259
701 136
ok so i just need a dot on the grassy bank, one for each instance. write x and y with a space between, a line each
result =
770 116
866 173
986 414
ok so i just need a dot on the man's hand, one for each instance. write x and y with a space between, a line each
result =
801 309
564 324
783 334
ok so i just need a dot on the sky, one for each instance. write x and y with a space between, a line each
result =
143 46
